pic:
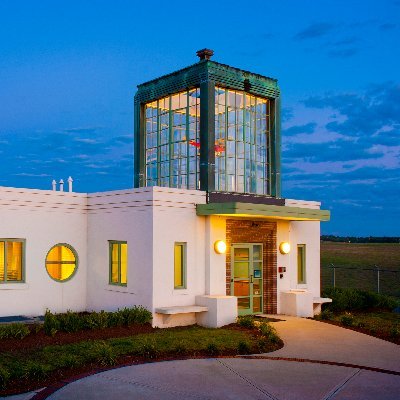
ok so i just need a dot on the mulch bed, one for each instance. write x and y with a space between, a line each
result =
40 339
378 334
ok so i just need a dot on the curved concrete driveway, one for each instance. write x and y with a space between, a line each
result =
313 340
342 364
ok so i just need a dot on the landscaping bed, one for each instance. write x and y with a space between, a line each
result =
39 360
378 323
363 311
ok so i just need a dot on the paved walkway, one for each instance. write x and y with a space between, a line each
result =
319 361
309 339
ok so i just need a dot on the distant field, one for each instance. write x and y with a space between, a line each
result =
385 255
359 256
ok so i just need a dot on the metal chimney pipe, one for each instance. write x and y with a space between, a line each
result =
205 54
70 180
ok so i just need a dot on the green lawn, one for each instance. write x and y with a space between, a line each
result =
359 256
35 367
385 255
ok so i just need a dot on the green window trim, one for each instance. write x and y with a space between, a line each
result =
301 264
3 260
171 130
49 263
121 263
243 126
180 265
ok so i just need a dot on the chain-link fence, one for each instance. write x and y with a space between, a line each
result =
384 281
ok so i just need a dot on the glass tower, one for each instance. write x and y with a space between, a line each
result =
210 127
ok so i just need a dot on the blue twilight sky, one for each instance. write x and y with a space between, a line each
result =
69 70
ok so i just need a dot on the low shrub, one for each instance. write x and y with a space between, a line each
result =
4 377
14 331
269 332
347 319
51 323
344 299
36 327
115 319
244 347
69 361
180 349
212 349
395 331
74 322
104 354
148 350
246 321
262 344
135 315
325 315
70 322
360 324
35 371
97 320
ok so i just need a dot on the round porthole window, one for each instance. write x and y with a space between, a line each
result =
61 262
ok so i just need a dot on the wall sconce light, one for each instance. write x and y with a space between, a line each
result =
220 247
284 247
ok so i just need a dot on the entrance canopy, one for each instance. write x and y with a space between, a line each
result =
235 209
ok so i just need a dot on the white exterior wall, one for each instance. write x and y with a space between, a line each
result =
43 218
150 220
299 232
175 220
123 216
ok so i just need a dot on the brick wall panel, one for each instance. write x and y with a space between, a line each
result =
254 231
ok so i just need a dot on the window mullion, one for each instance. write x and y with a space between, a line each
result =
119 263
187 141
158 167
5 261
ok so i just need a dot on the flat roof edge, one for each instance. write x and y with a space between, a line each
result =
263 211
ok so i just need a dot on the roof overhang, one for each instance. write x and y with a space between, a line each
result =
263 211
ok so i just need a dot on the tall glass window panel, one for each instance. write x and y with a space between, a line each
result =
242 142
173 140
118 262
180 266
301 263
11 260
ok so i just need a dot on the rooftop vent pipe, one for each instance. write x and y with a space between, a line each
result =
205 54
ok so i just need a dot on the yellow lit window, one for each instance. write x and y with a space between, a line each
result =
180 266
11 260
301 263
118 263
61 262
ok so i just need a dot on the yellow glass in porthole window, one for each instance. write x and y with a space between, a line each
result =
61 262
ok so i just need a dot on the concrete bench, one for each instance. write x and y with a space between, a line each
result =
321 300
180 310
317 303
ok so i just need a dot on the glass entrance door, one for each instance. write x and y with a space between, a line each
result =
246 282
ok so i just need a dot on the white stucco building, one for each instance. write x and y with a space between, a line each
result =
207 176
